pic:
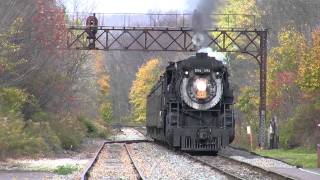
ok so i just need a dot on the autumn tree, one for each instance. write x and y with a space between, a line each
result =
103 81
293 87
41 83
293 65
283 68
241 13
146 78
309 69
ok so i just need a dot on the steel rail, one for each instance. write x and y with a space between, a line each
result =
261 170
140 176
86 172
229 175
143 132
264 171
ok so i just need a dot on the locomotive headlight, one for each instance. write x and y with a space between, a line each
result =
201 86
201 92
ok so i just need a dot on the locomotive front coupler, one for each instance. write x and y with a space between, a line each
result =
204 134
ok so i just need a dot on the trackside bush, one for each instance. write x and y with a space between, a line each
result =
70 132
12 99
94 129
39 132
14 139
91 128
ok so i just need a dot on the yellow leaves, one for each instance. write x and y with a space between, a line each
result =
283 65
309 69
103 82
146 78
237 9
293 69
103 78
292 46
9 46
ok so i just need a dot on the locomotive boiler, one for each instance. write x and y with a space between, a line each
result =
191 106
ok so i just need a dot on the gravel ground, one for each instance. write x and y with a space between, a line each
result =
41 164
113 163
253 159
157 162
128 134
41 168
27 175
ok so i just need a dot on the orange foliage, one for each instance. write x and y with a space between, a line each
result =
102 77
50 26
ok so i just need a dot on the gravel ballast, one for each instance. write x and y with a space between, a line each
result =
157 162
236 169
113 162
255 160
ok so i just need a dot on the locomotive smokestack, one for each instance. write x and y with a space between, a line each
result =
201 55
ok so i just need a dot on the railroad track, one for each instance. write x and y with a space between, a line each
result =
141 130
195 159
117 155
235 169
231 168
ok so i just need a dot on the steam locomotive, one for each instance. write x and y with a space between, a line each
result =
191 106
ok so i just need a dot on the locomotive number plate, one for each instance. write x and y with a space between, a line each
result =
202 71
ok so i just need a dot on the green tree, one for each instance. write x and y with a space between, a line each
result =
146 78
247 103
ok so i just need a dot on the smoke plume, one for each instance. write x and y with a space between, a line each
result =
202 18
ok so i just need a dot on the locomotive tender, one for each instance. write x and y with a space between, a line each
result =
191 106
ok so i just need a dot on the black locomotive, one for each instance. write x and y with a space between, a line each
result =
191 106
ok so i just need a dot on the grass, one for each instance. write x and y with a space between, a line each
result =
66 169
299 157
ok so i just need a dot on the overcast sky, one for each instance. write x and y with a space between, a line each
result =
131 6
